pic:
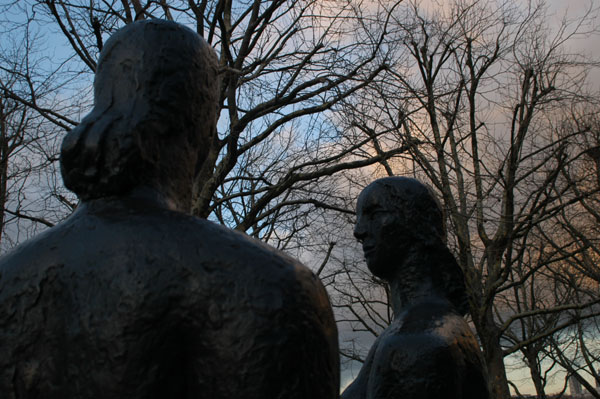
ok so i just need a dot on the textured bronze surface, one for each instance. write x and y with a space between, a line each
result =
428 351
130 297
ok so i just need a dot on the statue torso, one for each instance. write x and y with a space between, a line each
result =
427 352
120 302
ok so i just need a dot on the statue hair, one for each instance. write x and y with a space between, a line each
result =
154 115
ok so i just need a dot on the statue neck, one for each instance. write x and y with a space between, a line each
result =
412 282
152 196
142 197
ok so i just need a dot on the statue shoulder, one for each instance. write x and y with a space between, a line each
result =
413 365
433 352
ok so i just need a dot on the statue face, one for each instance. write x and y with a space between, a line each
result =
381 230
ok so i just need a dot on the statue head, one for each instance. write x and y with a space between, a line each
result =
154 116
398 217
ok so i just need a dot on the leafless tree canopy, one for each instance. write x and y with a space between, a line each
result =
497 115
483 100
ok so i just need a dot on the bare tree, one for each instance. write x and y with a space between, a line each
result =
471 97
30 128
286 65
550 302
576 350
479 89
575 236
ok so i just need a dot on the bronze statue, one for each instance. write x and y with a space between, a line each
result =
428 351
131 297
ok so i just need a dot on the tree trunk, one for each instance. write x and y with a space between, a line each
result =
3 165
493 355
536 374
494 360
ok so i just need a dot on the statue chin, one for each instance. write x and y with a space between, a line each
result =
379 269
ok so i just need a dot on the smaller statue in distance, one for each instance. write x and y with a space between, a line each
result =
428 351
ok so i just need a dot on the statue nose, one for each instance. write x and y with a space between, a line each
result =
359 232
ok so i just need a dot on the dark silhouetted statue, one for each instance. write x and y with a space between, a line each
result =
428 351
131 297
